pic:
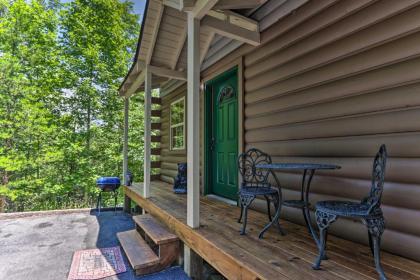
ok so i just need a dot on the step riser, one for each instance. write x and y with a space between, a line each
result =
169 255
149 241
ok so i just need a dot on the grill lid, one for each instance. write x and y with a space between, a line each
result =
108 181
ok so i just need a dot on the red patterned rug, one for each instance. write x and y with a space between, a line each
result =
96 263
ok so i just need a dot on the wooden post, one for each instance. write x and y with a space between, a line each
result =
193 263
127 204
125 141
127 201
147 131
193 130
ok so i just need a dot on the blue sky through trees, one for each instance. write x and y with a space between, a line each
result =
138 6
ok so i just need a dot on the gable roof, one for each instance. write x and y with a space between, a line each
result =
162 41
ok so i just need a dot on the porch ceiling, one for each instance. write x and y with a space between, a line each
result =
163 40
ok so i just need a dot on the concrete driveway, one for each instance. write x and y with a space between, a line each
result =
41 247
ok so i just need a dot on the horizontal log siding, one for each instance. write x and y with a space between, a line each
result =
169 159
331 89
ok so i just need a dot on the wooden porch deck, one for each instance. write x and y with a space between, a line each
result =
275 257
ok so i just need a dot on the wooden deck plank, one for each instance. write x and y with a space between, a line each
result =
244 266
222 229
357 259
308 252
287 250
275 257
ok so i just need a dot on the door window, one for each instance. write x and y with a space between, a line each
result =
177 124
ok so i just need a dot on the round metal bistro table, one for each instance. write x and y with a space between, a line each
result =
308 173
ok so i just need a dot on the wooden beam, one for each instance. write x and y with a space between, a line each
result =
179 47
156 100
155 32
235 19
147 132
202 7
169 73
156 126
127 204
227 48
176 4
193 263
182 5
206 47
125 140
187 5
132 88
135 80
231 30
238 4
193 116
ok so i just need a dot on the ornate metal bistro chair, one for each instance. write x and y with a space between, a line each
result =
368 210
255 183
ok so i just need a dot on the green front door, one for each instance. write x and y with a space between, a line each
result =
223 137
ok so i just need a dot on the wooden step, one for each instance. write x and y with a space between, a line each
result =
153 229
138 252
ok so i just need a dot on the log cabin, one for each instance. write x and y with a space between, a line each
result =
316 81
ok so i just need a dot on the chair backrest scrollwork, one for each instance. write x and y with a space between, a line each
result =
378 178
247 162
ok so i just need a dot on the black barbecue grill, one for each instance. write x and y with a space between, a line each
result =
107 184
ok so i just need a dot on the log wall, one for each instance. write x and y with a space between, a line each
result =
330 83
332 89
169 158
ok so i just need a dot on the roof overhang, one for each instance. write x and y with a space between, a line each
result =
162 47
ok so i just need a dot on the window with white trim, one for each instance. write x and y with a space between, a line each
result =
177 124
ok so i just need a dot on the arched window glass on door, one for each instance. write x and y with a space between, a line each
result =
225 94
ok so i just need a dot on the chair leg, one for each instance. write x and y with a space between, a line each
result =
268 207
240 217
246 200
323 220
325 257
371 243
376 227
306 220
277 204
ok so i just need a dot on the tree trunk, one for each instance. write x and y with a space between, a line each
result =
89 114
2 204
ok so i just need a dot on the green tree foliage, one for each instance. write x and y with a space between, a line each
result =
60 114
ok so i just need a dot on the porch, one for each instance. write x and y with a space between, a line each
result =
218 242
